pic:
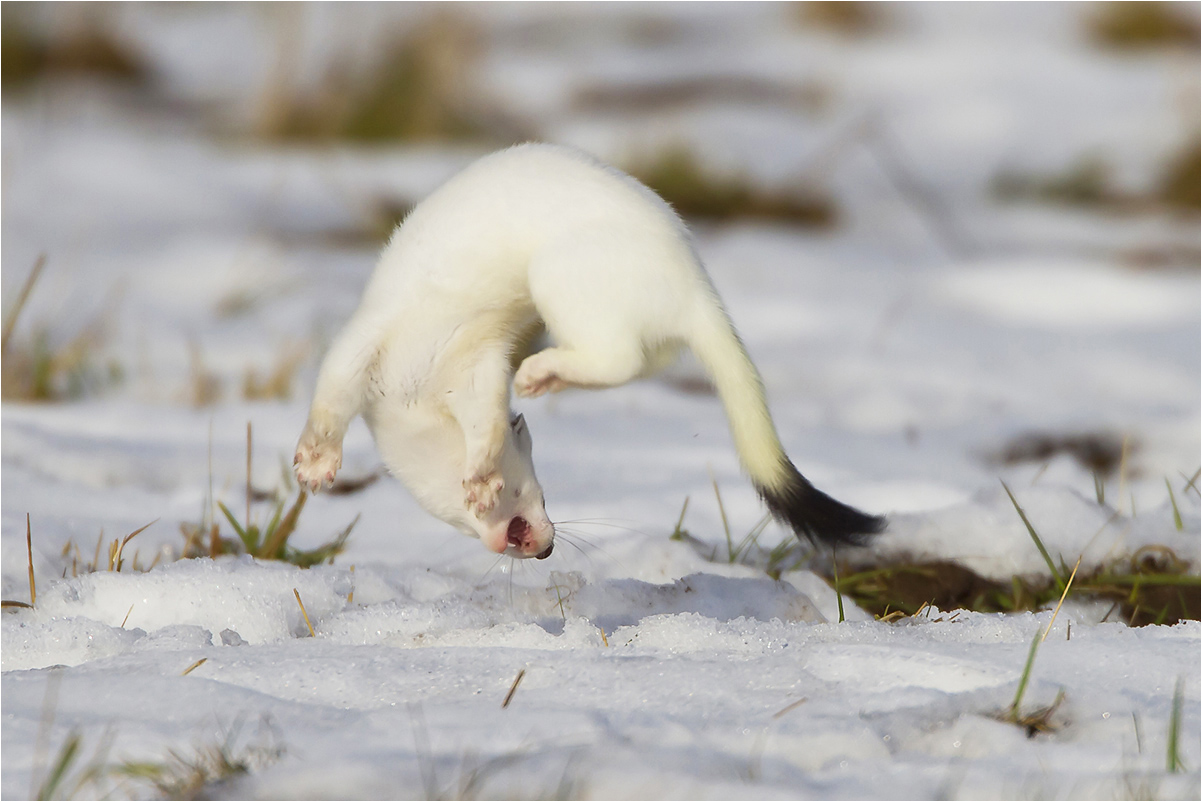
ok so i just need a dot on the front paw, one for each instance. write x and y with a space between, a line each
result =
481 493
316 462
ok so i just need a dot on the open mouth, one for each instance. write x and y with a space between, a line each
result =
519 531
519 537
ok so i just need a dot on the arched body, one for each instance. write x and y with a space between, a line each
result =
533 235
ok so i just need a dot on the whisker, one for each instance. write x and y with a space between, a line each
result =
575 535
574 539
484 576
570 539
604 522
513 569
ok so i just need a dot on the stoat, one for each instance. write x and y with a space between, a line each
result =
535 235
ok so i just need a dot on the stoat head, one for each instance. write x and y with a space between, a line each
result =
429 458
518 525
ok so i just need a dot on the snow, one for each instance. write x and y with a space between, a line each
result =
898 365
689 698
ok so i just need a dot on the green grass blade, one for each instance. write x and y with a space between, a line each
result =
730 546
789 546
838 594
1176 512
1038 543
66 756
1099 488
275 519
273 544
678 532
242 533
1026 677
1173 756
326 551
752 538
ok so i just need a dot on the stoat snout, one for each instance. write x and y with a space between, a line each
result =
523 540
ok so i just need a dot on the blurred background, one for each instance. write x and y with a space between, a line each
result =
976 219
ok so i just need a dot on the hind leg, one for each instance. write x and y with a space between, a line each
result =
555 369
597 296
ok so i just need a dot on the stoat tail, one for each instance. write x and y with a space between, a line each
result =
789 495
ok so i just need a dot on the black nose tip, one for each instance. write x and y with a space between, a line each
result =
546 552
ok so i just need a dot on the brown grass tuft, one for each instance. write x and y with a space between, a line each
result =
678 176
421 89
82 45
845 19
1142 25
276 383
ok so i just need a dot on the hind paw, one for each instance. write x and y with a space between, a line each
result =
534 379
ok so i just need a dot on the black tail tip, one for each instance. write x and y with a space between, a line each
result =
812 514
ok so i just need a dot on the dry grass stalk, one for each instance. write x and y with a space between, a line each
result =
1067 585
115 561
277 383
194 666
33 585
513 688
791 707
308 623
204 386
15 312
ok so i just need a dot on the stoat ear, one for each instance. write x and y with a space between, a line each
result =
520 433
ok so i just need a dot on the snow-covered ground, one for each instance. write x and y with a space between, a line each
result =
903 351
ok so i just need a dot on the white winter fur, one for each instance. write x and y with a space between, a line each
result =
533 233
